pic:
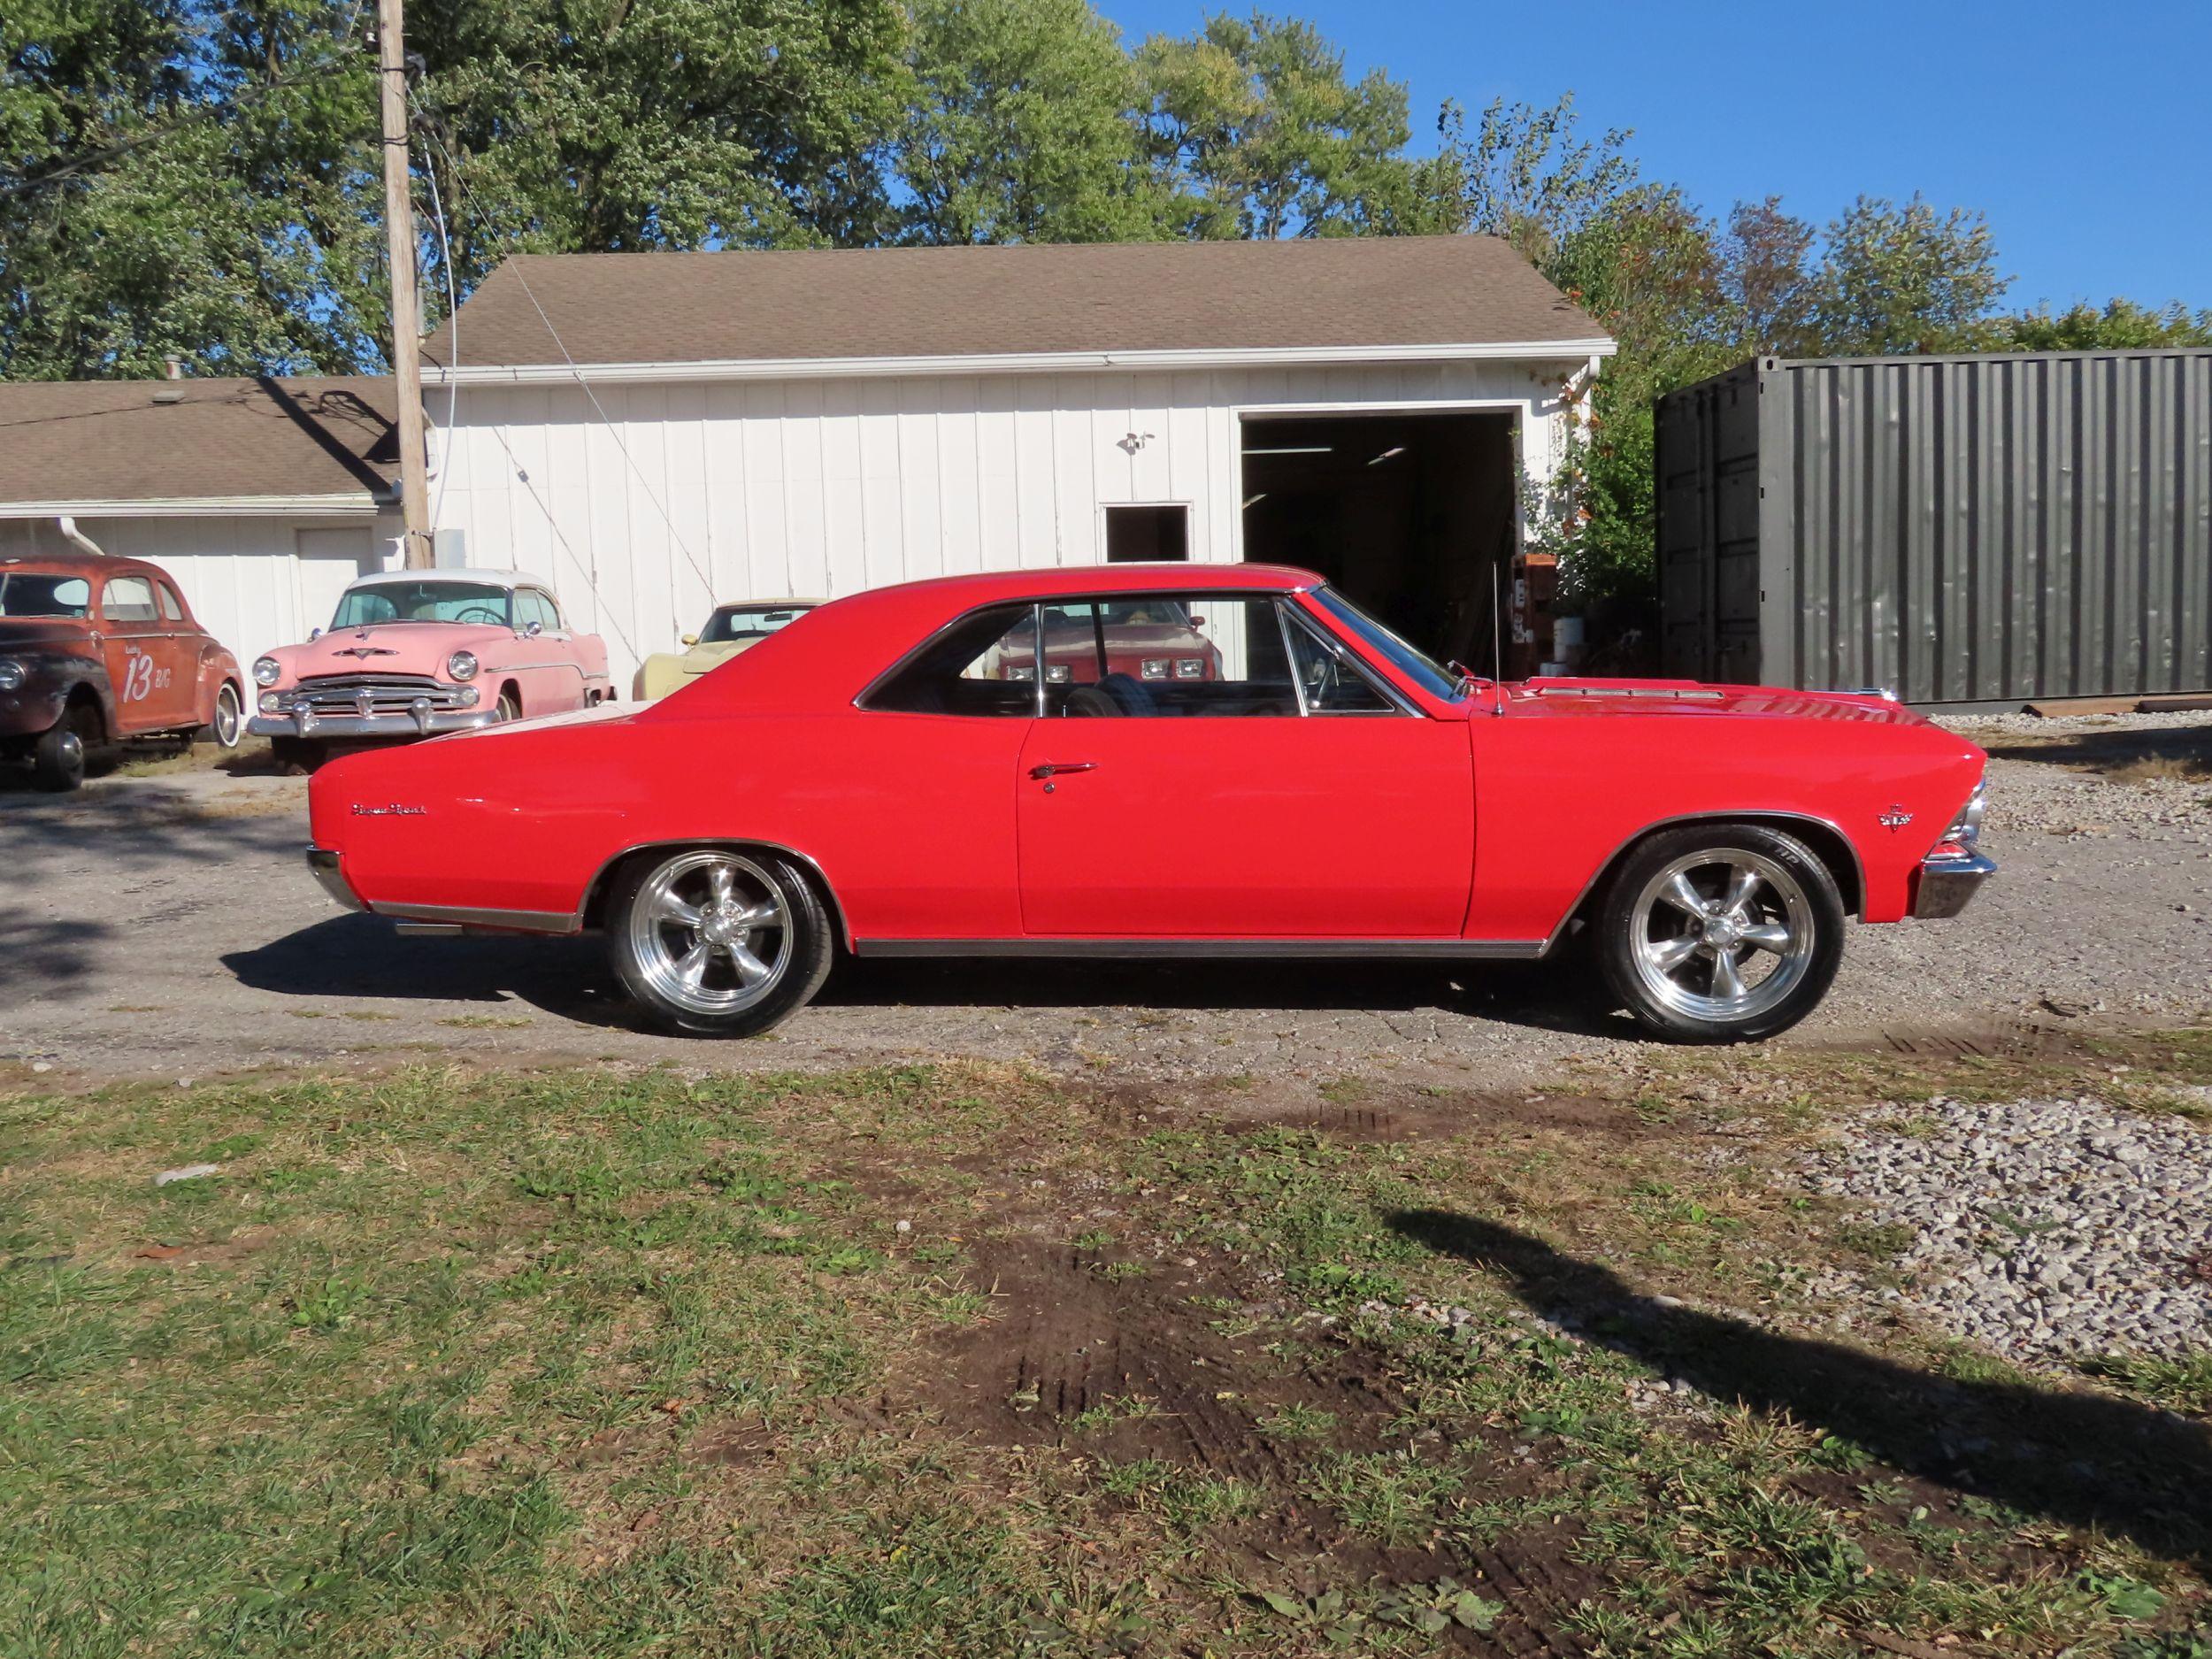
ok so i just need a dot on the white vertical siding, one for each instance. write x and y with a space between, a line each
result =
821 487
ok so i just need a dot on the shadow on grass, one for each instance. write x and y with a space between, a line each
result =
2078 1458
2127 755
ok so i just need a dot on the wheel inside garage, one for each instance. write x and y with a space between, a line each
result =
1413 515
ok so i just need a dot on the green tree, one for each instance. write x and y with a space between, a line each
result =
1256 133
1525 173
2120 324
1905 279
1022 128
597 126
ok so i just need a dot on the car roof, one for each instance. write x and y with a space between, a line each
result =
768 604
496 579
826 658
80 565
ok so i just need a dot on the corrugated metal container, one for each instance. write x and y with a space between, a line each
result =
1968 529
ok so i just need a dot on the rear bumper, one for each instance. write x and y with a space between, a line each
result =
422 721
1944 884
323 864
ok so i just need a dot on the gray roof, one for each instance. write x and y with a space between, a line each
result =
142 440
898 302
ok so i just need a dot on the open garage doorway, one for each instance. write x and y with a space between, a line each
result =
1409 513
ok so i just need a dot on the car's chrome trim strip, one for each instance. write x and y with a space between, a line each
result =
1299 949
470 915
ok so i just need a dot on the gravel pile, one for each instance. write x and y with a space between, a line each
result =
2043 1228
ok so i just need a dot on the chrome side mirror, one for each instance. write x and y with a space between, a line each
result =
531 630
314 634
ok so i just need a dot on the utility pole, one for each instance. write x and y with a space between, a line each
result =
399 237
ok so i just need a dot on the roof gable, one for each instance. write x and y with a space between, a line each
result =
890 303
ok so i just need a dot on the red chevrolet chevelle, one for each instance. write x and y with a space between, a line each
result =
1168 761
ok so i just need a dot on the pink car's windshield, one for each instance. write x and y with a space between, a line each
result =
425 601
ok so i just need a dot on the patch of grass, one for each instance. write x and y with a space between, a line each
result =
1188 1501
483 1022
1878 1241
2183 1384
1393 1497
1299 1422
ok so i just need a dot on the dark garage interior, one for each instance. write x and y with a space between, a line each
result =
1410 514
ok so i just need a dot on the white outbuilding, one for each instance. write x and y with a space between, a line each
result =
653 433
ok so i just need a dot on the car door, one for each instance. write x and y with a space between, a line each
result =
135 643
557 678
179 653
1210 768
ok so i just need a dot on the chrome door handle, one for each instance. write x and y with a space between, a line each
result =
1054 768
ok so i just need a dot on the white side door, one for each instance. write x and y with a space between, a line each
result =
329 561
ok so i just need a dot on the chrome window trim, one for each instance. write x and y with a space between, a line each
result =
907 658
1344 655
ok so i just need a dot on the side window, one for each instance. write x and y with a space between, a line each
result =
1159 656
529 607
1328 679
128 599
171 610
549 612
984 664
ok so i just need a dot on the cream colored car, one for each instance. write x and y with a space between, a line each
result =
731 629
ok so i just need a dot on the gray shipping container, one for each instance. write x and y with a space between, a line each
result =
1967 529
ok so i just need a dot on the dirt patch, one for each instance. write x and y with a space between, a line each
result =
1179 1368
1364 1112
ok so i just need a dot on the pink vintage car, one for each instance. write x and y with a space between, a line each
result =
415 653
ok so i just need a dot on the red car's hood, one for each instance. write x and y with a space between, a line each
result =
388 648
1690 696
24 634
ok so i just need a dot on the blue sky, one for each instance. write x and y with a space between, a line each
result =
2083 131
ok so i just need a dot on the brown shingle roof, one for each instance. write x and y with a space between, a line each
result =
135 441
985 300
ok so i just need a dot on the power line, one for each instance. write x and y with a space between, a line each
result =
468 206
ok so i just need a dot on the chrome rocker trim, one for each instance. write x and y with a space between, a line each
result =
1293 949
1948 884
469 915
424 722
323 865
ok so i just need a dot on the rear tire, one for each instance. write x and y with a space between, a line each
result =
716 943
1720 932
64 750
229 724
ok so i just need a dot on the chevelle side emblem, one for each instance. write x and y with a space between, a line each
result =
1894 819
394 811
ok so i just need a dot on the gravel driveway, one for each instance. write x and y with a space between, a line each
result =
164 925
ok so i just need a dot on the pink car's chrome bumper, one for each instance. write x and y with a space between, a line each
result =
422 720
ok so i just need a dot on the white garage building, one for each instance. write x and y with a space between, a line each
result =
651 432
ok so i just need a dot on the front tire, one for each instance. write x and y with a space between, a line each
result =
715 942
1720 932
64 749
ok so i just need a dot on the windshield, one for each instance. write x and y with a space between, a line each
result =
40 594
748 622
1414 663
423 602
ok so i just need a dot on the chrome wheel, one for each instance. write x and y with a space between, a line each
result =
1724 934
228 718
710 932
